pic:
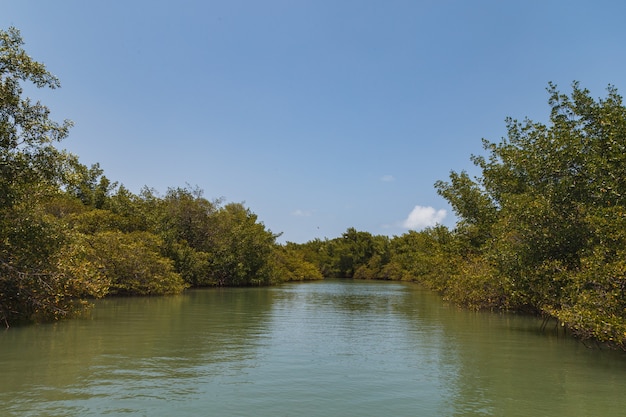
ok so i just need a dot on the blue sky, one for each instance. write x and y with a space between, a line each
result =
318 115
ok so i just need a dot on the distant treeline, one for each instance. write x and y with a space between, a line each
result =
542 229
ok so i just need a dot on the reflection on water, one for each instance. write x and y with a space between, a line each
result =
331 348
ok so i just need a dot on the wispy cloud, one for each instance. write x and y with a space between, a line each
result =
387 178
421 217
302 213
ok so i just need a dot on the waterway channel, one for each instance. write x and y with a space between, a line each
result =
328 348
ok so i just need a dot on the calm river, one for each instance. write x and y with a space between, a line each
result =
330 348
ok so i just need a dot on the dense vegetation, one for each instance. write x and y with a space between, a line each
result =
542 229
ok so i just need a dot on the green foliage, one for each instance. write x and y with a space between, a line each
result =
289 264
594 299
317 252
27 160
37 281
96 220
545 221
475 209
184 215
133 264
44 275
211 245
343 256
89 185
240 248
136 211
418 255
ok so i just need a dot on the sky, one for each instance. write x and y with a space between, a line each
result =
318 115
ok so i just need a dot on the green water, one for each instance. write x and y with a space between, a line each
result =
331 348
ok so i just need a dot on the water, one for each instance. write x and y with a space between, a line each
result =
331 348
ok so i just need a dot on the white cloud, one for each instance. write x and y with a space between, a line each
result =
301 213
421 217
387 178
